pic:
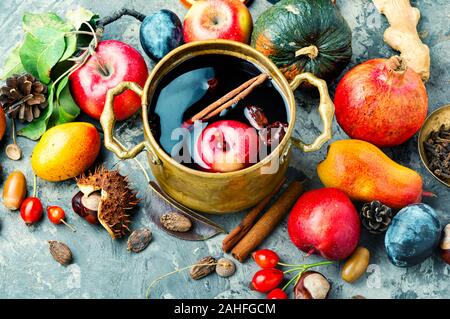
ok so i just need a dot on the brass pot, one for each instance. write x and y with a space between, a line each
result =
217 192
432 123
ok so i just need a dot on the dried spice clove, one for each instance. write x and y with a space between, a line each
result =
139 240
203 267
176 222
256 117
437 152
60 252
274 132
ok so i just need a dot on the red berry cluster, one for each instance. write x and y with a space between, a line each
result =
268 279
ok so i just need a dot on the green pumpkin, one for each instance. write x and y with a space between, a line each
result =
304 36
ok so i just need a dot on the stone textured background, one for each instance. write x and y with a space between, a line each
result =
104 269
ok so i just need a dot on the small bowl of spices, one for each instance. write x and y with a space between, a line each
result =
434 144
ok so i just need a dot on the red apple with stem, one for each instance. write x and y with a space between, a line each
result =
218 19
228 145
324 221
113 62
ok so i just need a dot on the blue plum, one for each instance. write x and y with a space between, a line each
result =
413 235
160 33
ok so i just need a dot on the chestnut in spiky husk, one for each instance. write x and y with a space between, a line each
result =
116 200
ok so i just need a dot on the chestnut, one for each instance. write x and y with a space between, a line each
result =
312 285
445 244
86 206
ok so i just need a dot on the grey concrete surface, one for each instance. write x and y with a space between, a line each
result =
103 268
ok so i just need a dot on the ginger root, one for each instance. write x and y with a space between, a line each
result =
402 34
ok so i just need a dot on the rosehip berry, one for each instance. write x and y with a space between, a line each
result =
55 214
266 258
31 210
277 294
266 280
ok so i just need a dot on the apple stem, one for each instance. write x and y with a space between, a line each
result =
310 252
428 194
99 62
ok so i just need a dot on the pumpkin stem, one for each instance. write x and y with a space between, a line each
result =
310 51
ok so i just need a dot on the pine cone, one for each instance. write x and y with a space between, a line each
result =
23 97
376 217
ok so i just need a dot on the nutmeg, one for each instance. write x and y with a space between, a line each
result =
203 267
445 244
60 252
312 285
225 267
176 222
139 240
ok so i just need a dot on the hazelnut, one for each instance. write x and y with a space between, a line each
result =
225 267
312 285
445 244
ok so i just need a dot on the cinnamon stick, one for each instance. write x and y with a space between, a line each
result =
259 80
230 98
248 221
267 223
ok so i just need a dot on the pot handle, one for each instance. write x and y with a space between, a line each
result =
326 111
108 120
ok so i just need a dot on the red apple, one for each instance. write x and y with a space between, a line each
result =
324 221
189 3
227 146
113 63
218 19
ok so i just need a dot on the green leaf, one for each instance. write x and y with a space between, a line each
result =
71 46
33 21
12 65
41 50
67 108
77 17
61 86
35 129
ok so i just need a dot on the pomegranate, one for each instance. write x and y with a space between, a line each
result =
381 101
324 221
